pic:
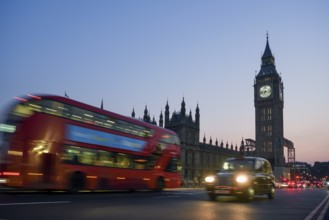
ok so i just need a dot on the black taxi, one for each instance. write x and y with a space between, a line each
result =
243 177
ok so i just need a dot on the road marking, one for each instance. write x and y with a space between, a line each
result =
323 213
164 197
179 193
311 215
34 203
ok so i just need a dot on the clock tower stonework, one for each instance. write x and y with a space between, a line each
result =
268 101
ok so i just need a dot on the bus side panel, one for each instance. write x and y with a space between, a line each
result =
16 165
42 133
102 178
126 178
171 175
172 180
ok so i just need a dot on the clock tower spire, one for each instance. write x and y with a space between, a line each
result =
268 61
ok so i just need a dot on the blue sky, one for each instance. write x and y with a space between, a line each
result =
134 53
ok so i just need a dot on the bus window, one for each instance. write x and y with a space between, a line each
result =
176 140
152 161
62 109
172 165
23 110
50 107
71 155
140 163
123 161
88 157
105 159
170 139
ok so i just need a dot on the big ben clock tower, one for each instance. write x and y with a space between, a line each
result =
268 100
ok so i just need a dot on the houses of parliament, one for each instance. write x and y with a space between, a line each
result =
199 159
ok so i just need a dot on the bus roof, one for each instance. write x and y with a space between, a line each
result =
92 109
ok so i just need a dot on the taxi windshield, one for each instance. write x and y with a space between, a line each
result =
238 165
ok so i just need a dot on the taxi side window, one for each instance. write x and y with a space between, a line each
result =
260 166
267 166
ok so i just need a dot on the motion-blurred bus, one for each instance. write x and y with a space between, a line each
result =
55 143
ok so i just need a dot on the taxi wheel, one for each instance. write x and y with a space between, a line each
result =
248 195
212 196
271 194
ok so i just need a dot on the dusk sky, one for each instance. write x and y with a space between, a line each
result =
137 53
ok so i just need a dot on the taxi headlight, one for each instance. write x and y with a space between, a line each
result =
209 179
241 179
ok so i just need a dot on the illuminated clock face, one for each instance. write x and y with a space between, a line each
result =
265 91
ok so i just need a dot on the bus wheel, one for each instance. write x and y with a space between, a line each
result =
77 182
159 184
103 183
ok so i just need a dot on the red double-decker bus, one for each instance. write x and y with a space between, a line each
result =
55 143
